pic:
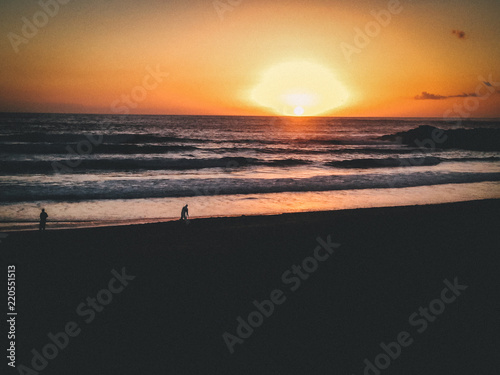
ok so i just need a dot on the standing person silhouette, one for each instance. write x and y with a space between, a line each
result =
184 213
43 219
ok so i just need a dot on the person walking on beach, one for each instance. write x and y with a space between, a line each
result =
43 219
184 213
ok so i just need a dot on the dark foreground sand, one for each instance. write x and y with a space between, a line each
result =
192 282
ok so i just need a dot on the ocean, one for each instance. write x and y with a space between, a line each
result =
91 170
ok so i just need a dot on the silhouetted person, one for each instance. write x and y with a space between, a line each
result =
184 213
43 219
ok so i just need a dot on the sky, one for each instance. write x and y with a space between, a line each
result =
374 58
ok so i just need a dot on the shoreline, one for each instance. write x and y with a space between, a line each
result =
32 226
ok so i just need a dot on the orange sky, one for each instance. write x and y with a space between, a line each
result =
96 56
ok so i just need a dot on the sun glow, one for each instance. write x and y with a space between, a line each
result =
299 88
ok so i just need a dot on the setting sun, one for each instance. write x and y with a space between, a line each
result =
299 111
299 88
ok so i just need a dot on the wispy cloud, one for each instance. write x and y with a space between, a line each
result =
428 96
459 34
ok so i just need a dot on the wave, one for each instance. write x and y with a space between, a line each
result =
128 149
486 159
326 151
385 163
130 138
140 139
430 137
16 167
84 166
154 188
123 138
61 148
403 162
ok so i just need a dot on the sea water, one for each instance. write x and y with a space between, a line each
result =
89 170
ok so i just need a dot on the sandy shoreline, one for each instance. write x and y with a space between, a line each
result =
193 282
135 213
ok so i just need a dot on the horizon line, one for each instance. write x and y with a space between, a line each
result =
212 115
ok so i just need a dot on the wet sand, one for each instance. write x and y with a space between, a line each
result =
192 282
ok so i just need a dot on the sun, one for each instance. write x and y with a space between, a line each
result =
299 111
299 89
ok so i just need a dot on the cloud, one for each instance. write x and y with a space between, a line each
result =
428 96
464 95
459 34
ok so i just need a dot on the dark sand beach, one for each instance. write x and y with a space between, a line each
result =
193 281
